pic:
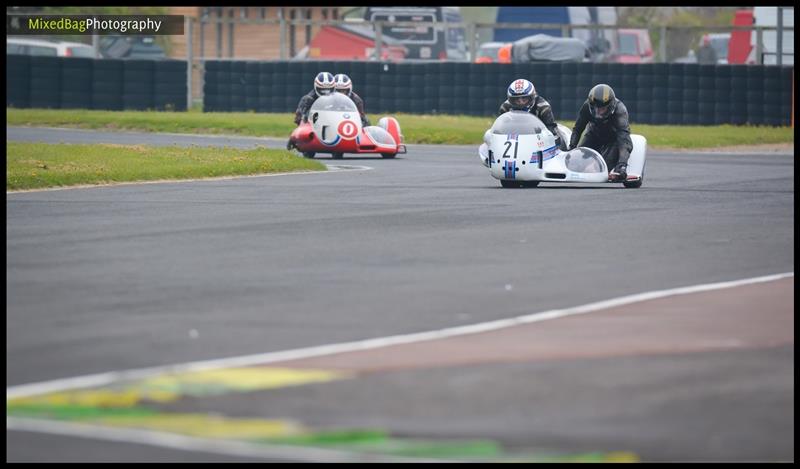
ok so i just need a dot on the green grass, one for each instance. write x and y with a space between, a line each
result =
441 129
40 165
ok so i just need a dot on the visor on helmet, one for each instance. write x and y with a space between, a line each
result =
520 102
602 111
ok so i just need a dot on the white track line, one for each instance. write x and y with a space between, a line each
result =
204 445
102 379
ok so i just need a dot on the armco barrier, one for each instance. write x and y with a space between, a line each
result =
678 94
81 83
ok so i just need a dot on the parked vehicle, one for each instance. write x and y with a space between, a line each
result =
424 41
350 42
493 52
536 48
48 48
633 47
131 47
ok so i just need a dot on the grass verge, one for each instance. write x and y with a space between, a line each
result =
432 129
40 165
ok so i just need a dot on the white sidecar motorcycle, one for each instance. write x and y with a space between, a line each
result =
520 152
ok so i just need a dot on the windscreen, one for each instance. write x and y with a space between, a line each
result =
489 51
423 34
627 44
583 161
82 52
517 122
379 135
334 102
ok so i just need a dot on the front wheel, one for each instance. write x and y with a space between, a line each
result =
509 184
309 154
388 155
337 156
633 184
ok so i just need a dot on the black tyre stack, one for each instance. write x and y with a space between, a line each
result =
645 81
369 89
706 107
660 93
18 81
264 103
45 87
279 93
416 93
786 75
107 78
772 97
237 86
754 96
138 84
76 83
210 69
447 93
738 92
691 95
723 99
169 89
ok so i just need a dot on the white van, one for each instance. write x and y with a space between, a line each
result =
47 48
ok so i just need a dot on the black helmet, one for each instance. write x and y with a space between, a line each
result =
602 102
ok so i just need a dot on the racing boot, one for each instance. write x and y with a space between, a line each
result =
290 145
619 173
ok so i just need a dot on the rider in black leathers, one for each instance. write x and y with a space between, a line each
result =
609 132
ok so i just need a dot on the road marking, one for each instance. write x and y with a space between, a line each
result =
102 379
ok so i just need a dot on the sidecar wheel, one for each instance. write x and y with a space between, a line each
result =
337 156
388 155
309 154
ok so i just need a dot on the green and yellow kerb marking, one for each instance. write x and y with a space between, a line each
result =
134 404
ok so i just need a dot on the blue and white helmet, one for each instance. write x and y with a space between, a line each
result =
521 94
323 83
343 83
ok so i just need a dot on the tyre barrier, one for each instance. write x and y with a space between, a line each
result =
681 94
678 94
103 84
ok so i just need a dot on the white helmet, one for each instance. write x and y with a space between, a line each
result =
343 83
521 94
323 83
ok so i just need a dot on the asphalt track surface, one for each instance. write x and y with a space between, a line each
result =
115 278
